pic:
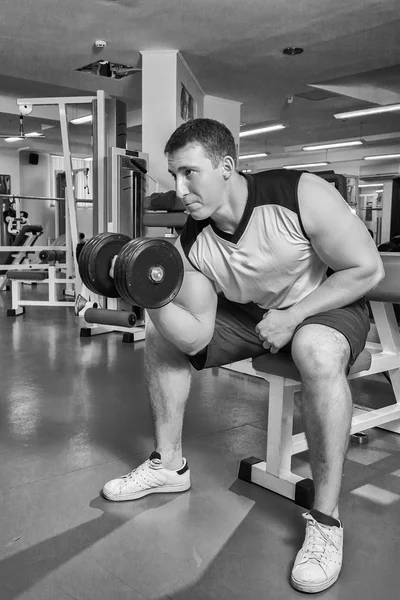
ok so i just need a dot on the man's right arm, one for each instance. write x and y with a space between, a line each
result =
188 321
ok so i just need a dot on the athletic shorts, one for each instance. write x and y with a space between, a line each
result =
235 338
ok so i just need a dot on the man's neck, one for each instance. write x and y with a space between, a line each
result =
229 216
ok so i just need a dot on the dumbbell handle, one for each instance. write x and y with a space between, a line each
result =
102 316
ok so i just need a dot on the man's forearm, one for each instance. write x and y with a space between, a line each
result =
340 289
180 327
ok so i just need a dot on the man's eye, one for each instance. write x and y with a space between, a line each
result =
188 172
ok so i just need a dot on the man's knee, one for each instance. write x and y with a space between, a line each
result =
320 352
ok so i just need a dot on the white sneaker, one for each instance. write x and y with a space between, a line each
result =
151 477
318 562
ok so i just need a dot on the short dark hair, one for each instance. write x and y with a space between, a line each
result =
215 138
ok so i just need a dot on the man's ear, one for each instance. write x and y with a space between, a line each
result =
228 167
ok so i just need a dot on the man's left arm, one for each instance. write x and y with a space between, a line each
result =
342 242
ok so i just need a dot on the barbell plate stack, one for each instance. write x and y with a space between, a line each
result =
95 262
148 272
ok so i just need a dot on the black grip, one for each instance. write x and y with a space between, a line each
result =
52 255
102 316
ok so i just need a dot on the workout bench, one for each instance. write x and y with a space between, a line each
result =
25 239
284 380
45 273
164 209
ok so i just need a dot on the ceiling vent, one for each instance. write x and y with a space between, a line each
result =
317 95
105 68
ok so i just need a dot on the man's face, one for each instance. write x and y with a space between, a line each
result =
198 184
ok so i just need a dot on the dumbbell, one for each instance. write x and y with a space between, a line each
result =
148 272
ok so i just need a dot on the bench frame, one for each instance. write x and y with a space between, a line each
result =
274 473
28 276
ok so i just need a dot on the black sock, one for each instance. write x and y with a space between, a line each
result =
324 519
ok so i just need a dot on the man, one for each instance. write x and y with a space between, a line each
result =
256 251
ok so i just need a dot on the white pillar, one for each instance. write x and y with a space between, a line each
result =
164 73
225 111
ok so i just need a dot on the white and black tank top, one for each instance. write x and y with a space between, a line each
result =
269 259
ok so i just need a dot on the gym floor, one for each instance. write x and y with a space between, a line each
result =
74 413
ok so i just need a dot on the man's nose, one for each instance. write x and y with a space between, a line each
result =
181 188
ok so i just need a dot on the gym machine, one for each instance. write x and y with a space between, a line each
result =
47 274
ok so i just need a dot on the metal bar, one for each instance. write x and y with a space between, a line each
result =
42 198
30 249
280 427
71 220
284 485
101 146
57 101
43 303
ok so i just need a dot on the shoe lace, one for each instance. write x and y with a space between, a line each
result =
316 540
154 463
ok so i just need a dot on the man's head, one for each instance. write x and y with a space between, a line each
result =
202 157
214 137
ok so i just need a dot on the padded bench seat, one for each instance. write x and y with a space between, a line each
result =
282 365
164 219
29 275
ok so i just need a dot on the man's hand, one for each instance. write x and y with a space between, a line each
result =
276 329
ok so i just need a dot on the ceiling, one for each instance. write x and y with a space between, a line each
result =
350 61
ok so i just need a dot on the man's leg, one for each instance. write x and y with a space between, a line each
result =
168 376
322 354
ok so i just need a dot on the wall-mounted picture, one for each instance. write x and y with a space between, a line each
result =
187 105
5 184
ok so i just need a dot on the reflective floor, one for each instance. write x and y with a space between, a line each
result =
74 413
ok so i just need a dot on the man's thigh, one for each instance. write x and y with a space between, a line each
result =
351 322
235 337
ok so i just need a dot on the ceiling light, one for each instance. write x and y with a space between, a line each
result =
13 139
292 51
261 130
367 111
34 134
81 120
382 157
259 155
246 170
333 145
319 164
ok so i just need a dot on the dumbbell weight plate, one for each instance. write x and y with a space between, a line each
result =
95 262
148 272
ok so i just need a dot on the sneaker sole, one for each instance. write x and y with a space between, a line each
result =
313 589
165 489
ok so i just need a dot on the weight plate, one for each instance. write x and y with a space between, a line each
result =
148 272
95 262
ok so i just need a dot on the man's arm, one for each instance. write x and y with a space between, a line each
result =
188 321
342 242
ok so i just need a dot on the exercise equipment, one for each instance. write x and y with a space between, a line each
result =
164 209
103 316
95 261
49 256
148 272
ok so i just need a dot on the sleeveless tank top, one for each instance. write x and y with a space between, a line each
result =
269 259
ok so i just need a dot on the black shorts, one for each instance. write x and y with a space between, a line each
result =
235 338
